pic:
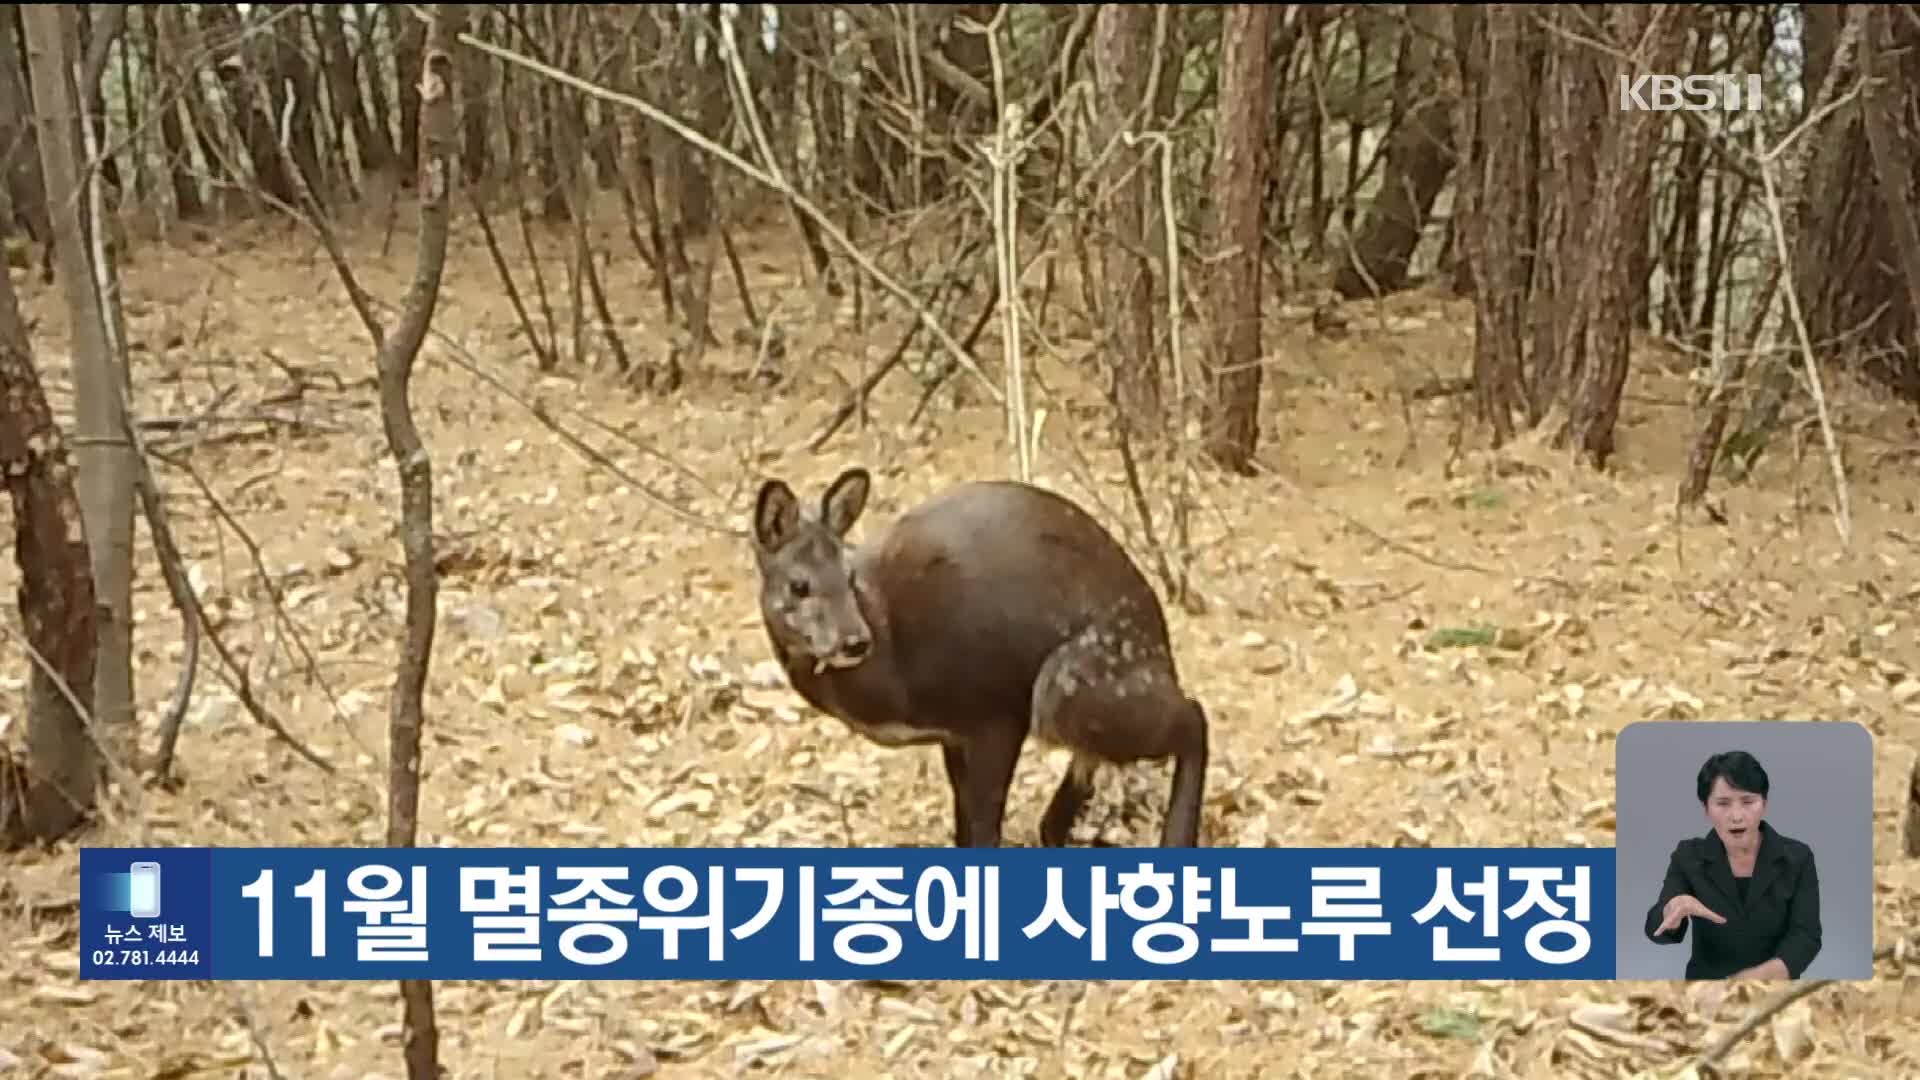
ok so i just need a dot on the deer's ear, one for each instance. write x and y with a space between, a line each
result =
844 500
776 514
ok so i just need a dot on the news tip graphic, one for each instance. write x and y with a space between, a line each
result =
863 913
145 911
1810 782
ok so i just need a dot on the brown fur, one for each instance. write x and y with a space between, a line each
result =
992 610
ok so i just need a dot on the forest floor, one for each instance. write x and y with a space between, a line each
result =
594 677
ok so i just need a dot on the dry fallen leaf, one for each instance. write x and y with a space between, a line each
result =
762 1048
1708 995
1607 1016
1793 1032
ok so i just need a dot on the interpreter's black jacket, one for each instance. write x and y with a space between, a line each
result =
1780 915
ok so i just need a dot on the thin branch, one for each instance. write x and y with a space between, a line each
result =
395 360
776 182
244 688
743 93
1770 1008
459 356
1843 516
173 571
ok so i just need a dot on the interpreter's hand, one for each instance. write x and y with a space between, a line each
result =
1681 907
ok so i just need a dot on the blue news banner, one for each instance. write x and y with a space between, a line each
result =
862 913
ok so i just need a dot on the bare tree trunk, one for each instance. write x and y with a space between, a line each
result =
476 114
1616 222
405 31
1317 17
1495 227
366 54
1123 64
1278 215
1680 245
20 146
251 117
814 30
1847 270
1419 158
439 146
181 39
374 149
1239 177
101 449
187 202
1570 120
707 102
49 793
1729 208
1890 139
91 42
780 94
1828 55
296 78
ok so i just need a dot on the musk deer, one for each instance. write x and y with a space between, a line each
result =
991 610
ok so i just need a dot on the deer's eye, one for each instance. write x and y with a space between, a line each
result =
798 588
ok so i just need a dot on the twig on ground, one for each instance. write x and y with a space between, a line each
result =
243 683
1766 1011
366 304
254 1035
244 429
258 557
1770 1008
459 356
1377 536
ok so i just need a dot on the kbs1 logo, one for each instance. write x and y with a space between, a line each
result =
1690 93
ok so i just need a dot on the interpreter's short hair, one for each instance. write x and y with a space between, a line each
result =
1741 770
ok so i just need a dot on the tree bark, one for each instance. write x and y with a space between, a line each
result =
374 150
20 148
439 148
1123 65
45 796
1495 227
102 451
1730 365
1848 272
1419 158
297 80
181 39
185 185
251 117
405 33
1890 138
1571 121
1239 177
1616 222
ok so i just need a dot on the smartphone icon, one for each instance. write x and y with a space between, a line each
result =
143 890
